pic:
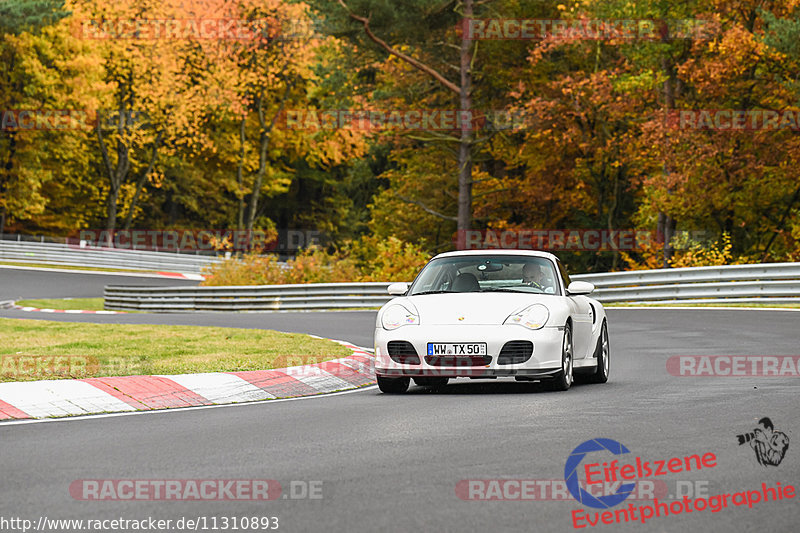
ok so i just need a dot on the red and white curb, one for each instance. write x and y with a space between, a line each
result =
68 311
58 398
182 275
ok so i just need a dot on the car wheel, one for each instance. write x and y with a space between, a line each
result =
393 385
563 379
431 382
603 353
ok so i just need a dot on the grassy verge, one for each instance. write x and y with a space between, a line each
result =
788 306
86 304
36 349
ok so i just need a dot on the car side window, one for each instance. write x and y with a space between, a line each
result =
564 276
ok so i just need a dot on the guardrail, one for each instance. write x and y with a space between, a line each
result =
74 255
312 296
765 283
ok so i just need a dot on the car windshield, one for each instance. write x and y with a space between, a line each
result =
487 273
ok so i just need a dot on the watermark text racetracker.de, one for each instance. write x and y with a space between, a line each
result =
186 240
374 120
733 119
521 490
22 120
203 29
585 29
174 29
734 365
194 490
149 523
29 367
566 239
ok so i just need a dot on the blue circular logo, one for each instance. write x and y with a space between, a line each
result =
571 476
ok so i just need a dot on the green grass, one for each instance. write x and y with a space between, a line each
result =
86 304
37 349
689 304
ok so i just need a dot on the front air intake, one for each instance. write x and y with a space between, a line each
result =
515 352
403 352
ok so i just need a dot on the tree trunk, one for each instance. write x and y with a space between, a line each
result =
116 174
668 223
141 180
12 150
264 138
111 216
240 174
262 166
465 161
465 146
765 253
7 167
610 215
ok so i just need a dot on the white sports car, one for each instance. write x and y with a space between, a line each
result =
487 314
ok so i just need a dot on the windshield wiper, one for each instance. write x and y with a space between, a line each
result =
501 289
428 292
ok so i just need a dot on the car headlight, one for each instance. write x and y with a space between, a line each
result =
396 316
532 317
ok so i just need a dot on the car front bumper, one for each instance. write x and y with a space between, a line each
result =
545 360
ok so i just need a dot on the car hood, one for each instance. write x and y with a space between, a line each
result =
473 308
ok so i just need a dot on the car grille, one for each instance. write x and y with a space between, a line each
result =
403 352
515 352
459 361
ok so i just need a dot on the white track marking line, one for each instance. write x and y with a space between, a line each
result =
220 387
59 398
316 378
182 409
62 398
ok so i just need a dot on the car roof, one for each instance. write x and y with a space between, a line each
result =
504 251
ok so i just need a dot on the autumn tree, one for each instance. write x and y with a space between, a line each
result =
392 29
734 181
151 100
44 167
253 85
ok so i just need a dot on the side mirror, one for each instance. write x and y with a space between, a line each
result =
397 289
577 288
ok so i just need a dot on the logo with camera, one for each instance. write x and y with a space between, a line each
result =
768 444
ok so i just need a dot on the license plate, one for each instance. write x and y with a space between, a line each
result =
464 349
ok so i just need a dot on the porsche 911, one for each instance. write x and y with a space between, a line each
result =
488 314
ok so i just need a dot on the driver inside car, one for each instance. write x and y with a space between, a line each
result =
533 276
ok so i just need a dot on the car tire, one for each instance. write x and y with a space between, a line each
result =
393 385
603 355
431 382
563 379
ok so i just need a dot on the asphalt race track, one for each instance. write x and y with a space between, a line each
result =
18 284
392 463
